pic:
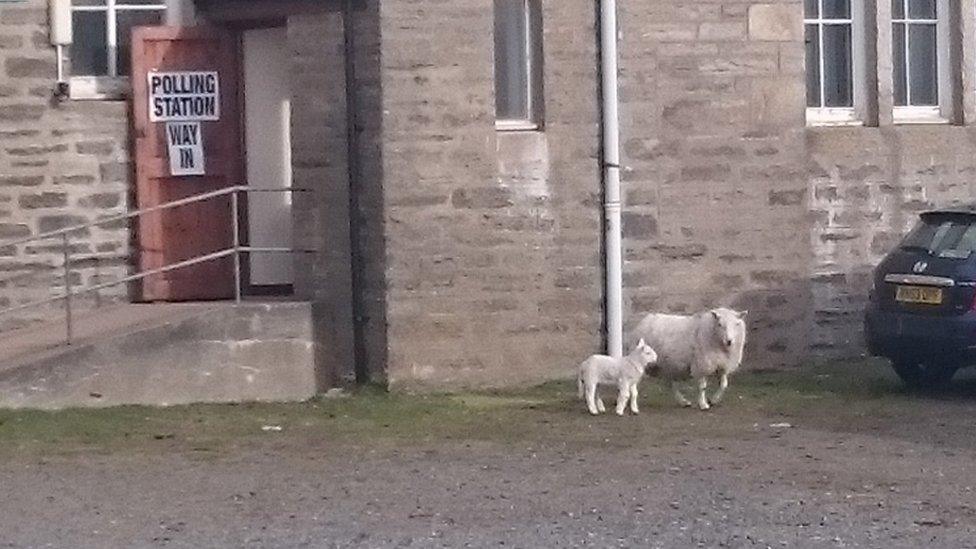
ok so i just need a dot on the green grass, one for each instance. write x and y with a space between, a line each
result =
373 417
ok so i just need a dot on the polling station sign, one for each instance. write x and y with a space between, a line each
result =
185 143
184 96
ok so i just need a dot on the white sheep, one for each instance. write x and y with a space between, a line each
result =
625 372
695 347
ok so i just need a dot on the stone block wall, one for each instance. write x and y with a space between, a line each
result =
466 256
492 239
61 164
715 213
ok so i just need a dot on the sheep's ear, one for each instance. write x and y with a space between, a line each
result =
742 314
641 343
714 314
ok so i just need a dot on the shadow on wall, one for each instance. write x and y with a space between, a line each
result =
368 232
779 323
341 157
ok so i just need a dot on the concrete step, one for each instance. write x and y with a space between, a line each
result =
163 354
29 343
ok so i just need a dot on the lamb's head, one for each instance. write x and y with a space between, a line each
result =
644 354
728 326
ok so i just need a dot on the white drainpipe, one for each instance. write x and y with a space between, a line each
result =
611 178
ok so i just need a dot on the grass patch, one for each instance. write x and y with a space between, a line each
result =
368 416
373 417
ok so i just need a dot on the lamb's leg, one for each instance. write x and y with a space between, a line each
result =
723 384
633 398
702 387
591 398
599 404
622 396
678 396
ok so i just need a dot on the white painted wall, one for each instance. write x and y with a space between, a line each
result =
180 13
268 149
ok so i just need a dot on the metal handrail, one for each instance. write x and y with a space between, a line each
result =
136 213
235 250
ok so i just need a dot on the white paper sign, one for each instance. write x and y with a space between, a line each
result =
185 143
180 96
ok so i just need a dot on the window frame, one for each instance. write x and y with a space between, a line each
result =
111 85
941 113
533 71
857 112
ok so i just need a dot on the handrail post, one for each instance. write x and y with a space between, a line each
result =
67 287
235 223
64 233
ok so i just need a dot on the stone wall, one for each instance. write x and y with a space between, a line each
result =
461 255
61 164
731 198
713 154
492 239
320 164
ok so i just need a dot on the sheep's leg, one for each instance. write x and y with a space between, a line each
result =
702 387
591 398
599 404
622 396
678 396
723 384
633 398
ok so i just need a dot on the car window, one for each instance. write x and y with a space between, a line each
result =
952 238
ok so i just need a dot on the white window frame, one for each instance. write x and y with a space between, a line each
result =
855 114
928 114
533 79
111 85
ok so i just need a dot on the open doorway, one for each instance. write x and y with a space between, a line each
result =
267 113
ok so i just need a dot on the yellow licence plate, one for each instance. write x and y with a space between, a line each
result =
919 294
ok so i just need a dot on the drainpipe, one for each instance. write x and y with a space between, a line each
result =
611 178
359 320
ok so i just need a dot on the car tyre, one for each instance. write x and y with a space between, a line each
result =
917 375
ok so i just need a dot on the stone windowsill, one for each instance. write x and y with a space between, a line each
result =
98 88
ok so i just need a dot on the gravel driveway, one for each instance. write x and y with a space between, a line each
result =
835 456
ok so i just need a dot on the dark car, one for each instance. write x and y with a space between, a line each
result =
922 308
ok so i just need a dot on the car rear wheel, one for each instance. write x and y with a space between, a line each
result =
916 374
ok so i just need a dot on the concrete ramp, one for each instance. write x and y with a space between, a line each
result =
163 354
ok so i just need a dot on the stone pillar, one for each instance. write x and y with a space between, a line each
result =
319 164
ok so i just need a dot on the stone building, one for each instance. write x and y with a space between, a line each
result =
772 151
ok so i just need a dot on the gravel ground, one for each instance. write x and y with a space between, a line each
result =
816 459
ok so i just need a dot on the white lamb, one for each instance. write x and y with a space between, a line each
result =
625 372
695 347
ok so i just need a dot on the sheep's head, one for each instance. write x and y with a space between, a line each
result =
644 353
728 325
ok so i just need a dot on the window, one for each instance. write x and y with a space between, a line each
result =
920 63
101 48
945 236
518 64
833 35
